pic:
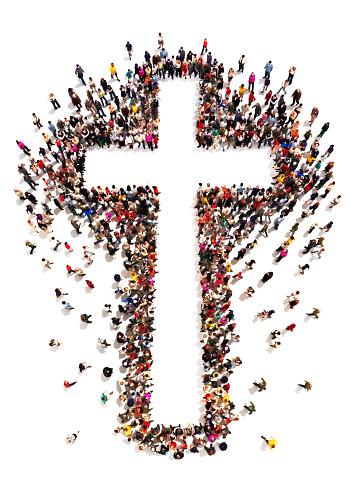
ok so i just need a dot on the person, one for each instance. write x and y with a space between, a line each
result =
251 409
291 73
129 49
83 367
291 327
250 263
59 293
103 343
37 121
251 81
271 442
329 151
314 114
89 284
113 71
160 41
53 101
241 63
68 247
335 202
46 263
54 342
267 276
204 47
307 385
262 385
71 438
107 372
268 68
325 128
105 397
67 384
32 246
303 268
314 313
85 318
80 73
67 305
249 292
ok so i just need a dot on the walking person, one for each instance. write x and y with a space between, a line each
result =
261 385
32 246
83 367
67 384
80 73
251 409
271 442
67 305
46 263
303 268
54 342
307 385
314 313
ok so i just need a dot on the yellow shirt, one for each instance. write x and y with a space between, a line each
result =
272 443
113 69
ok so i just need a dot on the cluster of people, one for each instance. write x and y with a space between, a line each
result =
127 218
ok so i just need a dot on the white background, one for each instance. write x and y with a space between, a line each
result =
316 431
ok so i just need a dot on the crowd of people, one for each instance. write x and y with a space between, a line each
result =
127 218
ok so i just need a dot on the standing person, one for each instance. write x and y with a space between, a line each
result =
314 313
241 63
204 47
314 114
80 73
307 385
251 81
291 74
37 121
261 385
129 49
32 246
268 69
271 442
71 438
53 101
113 71
160 41
296 95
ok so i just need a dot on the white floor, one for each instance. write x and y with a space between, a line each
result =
315 431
